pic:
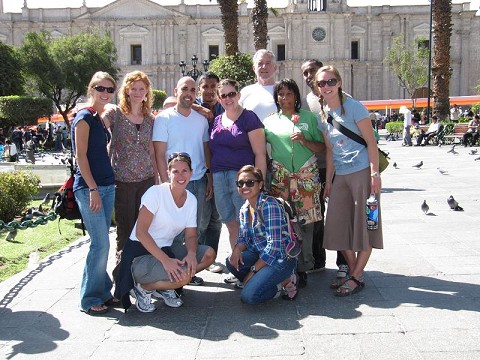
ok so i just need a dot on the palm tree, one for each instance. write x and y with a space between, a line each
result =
442 31
259 20
229 9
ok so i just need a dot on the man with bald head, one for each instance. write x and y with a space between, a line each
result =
182 129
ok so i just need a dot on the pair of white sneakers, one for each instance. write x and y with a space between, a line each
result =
144 298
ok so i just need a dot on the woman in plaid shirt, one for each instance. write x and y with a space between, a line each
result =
259 258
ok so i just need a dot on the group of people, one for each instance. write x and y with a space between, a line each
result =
223 157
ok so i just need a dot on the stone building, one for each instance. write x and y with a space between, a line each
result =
155 38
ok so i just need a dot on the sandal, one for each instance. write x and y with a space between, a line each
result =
96 310
346 289
338 282
290 291
114 303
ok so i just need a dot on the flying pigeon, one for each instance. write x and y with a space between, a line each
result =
443 172
473 151
453 204
452 149
425 207
419 165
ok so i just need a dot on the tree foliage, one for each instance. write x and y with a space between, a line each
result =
238 67
442 32
23 110
61 69
11 80
409 62
16 191
229 10
259 20
159 97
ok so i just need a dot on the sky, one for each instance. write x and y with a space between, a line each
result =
16 5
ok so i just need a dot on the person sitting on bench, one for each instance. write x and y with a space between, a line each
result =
431 132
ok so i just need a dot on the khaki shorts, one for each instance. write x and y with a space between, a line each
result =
147 269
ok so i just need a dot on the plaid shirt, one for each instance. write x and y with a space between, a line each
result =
268 238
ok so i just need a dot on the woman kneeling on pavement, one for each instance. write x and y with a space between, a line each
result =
259 258
152 264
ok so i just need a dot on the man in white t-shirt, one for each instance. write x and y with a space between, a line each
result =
455 113
259 96
182 129
407 123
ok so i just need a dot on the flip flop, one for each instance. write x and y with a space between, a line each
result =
115 303
347 290
94 312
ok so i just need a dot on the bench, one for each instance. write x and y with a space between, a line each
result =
458 131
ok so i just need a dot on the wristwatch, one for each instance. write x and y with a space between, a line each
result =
253 269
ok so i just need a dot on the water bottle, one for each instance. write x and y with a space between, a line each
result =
372 213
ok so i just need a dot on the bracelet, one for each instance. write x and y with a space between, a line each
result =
93 189
375 174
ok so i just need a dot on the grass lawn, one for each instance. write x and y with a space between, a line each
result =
45 239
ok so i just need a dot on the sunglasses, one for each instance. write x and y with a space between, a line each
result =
175 155
230 95
329 82
101 88
249 183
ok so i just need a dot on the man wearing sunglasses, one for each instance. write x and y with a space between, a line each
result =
182 129
258 97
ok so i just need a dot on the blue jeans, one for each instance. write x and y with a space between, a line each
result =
228 200
96 284
263 285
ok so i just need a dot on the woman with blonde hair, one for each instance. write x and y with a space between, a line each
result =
357 175
131 151
94 189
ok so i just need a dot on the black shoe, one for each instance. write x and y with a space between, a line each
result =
196 281
302 279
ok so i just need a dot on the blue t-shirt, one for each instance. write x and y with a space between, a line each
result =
348 155
230 147
97 154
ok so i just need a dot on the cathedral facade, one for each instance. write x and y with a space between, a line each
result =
155 38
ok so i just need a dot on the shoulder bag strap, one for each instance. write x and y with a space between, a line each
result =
347 132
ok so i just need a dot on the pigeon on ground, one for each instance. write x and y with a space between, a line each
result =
11 235
425 207
473 151
443 172
419 165
452 149
478 158
453 204
395 165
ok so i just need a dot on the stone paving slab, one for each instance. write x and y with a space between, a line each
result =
422 299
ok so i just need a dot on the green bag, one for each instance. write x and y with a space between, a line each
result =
382 160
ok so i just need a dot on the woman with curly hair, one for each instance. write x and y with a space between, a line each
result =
131 151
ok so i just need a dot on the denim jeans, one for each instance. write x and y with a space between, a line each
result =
96 284
263 285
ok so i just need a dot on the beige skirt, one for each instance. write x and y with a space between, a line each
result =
346 219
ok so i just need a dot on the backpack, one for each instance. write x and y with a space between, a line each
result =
64 203
293 248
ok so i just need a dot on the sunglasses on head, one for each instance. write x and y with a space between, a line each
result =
230 95
175 155
249 183
101 88
329 82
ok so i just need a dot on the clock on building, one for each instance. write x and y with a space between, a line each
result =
318 34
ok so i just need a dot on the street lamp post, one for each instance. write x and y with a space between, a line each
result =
429 61
194 73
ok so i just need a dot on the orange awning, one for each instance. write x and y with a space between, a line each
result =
395 104
53 118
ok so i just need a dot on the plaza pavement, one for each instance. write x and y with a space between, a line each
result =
422 298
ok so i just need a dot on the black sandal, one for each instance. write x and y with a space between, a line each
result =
114 303
348 290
